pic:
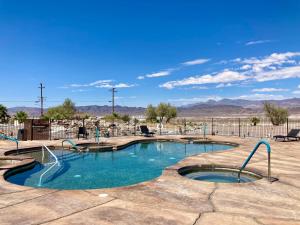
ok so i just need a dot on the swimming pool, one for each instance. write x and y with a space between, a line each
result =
89 170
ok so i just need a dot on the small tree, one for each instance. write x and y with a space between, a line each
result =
21 116
151 115
254 120
276 114
4 117
68 109
65 111
163 112
111 117
172 113
126 119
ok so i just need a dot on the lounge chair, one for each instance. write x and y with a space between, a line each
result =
82 132
145 131
293 134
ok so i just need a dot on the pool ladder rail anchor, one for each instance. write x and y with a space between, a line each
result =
268 146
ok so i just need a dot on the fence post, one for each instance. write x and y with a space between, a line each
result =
287 126
239 127
50 131
212 126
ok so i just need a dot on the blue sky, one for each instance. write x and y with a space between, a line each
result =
172 51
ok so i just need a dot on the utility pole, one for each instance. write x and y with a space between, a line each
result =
41 87
113 90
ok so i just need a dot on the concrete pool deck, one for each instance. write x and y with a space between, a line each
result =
169 199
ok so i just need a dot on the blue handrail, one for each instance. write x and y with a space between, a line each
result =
11 139
70 142
267 144
97 135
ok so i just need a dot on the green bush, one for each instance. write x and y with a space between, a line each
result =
276 114
254 121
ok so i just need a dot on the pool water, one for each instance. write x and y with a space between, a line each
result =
221 177
131 165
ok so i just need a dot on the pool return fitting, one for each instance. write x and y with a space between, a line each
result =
267 144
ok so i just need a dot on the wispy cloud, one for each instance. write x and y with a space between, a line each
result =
167 72
260 97
102 84
279 74
275 66
269 90
222 85
162 73
185 101
271 62
258 42
225 76
195 62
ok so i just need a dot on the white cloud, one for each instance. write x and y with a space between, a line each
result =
79 90
184 101
123 85
269 90
159 74
296 92
299 86
197 88
258 42
195 62
102 84
279 74
260 97
226 76
269 62
246 67
162 73
224 85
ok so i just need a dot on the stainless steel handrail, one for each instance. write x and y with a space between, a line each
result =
54 163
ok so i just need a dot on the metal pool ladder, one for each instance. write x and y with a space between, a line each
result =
70 142
11 139
56 162
266 143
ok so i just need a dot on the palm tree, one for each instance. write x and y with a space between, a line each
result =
3 114
21 116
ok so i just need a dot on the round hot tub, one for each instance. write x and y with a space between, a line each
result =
218 174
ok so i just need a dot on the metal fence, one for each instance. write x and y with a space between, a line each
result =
241 127
218 126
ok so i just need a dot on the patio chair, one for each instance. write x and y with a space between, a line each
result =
145 131
82 132
293 134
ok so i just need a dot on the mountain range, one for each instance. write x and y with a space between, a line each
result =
224 107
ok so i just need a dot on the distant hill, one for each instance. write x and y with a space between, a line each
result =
224 107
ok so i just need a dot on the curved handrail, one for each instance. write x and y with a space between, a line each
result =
97 136
70 142
267 144
54 163
11 139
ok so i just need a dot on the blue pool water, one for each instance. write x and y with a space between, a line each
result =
134 164
221 177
